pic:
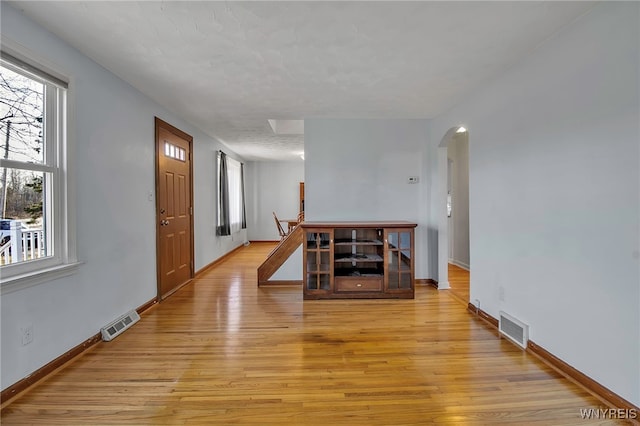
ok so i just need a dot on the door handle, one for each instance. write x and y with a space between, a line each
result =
164 222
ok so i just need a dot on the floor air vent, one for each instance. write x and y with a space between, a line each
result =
514 330
114 328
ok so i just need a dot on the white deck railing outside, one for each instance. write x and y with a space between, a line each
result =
23 244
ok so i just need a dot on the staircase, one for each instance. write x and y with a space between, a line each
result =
279 255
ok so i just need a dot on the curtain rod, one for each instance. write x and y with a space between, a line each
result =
222 152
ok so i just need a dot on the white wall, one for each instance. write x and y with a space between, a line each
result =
272 186
357 170
115 173
554 194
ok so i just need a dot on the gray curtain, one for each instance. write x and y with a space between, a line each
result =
224 225
244 212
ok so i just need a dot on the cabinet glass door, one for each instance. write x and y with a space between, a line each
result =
399 262
318 261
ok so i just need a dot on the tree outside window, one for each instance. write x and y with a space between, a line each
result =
28 167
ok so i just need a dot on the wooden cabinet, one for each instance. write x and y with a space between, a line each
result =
358 260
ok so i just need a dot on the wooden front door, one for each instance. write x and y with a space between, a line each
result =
174 208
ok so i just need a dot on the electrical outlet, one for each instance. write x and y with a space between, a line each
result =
27 334
413 179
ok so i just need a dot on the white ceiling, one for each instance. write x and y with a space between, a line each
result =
228 67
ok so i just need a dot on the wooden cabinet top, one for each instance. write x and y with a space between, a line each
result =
371 224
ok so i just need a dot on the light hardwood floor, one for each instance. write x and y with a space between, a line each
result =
459 282
223 351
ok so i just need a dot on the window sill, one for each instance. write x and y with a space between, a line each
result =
30 279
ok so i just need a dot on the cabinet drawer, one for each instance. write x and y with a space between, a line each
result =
358 283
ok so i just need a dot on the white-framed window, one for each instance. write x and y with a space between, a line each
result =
36 243
234 192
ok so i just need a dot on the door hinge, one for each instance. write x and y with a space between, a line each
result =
191 210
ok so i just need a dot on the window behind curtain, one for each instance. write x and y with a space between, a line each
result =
235 200
235 193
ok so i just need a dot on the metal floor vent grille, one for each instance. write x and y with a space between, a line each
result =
116 327
514 330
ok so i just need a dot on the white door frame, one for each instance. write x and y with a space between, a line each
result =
441 208
443 219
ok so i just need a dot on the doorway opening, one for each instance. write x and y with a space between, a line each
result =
454 262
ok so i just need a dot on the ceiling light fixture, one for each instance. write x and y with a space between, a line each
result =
461 130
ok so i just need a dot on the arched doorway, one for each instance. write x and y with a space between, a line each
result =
453 212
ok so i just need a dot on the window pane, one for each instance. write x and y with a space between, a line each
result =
235 201
21 117
234 192
23 223
405 240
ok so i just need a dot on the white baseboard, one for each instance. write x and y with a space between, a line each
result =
443 285
460 264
